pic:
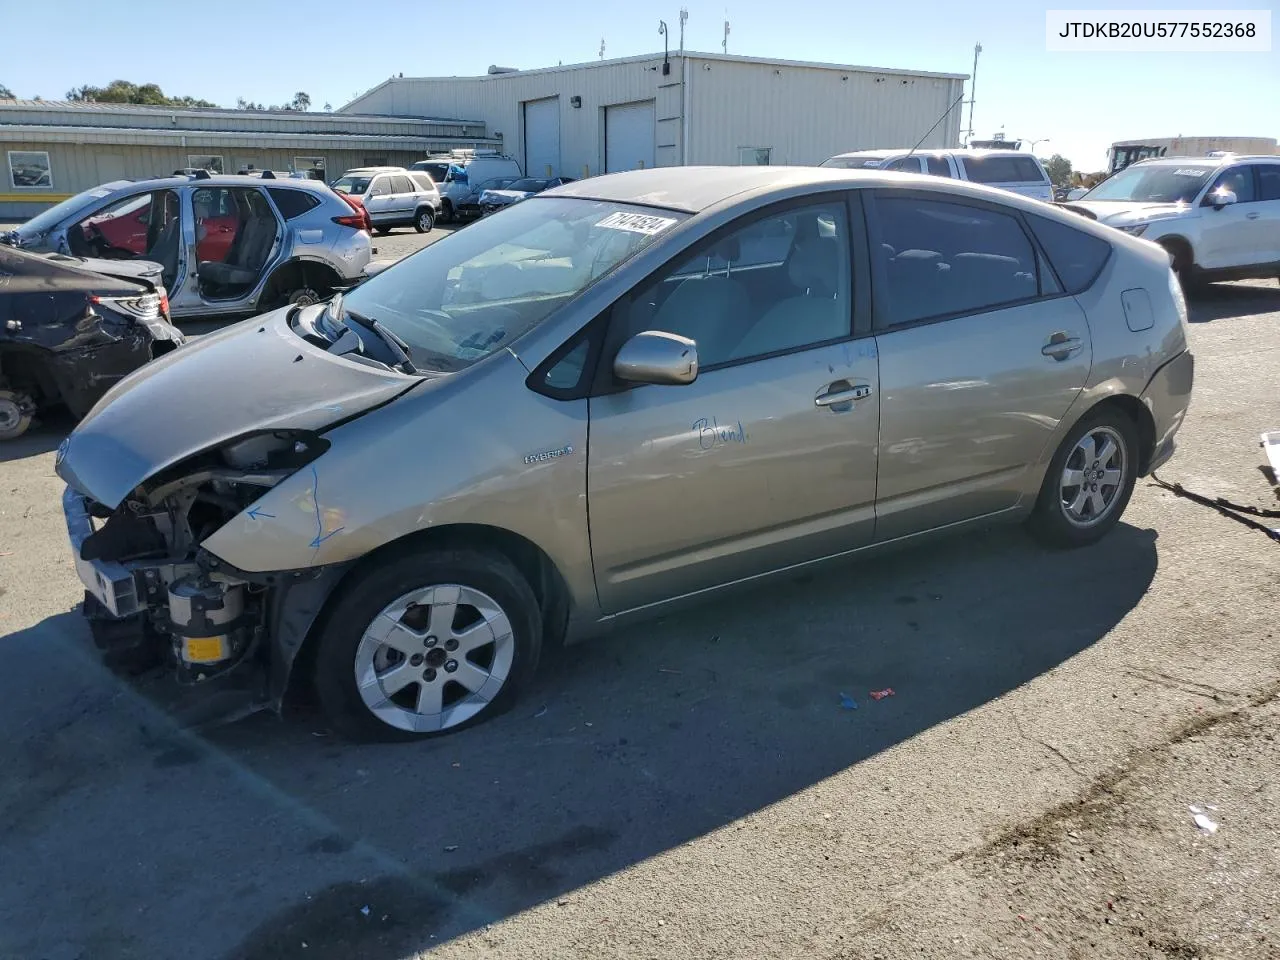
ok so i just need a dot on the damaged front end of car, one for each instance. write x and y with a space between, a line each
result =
155 597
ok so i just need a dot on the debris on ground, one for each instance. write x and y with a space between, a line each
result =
452 847
881 694
542 712
1202 819
667 670
847 702
365 909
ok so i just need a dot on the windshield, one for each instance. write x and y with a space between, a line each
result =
1163 184
47 219
435 171
474 291
528 185
351 185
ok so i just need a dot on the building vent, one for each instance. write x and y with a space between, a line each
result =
495 69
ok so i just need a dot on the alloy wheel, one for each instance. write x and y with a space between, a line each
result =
1093 476
434 658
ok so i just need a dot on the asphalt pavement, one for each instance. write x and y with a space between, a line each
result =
700 787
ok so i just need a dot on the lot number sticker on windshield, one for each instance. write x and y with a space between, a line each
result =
1189 172
636 222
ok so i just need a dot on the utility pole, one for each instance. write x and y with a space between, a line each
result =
973 86
725 42
684 15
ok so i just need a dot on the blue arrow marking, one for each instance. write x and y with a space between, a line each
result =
257 512
320 536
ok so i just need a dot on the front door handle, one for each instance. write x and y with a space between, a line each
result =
1251 216
838 393
1061 345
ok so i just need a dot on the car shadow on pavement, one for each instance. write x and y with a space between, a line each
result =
1226 301
296 844
43 436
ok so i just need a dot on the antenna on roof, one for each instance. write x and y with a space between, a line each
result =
725 42
602 48
684 15
935 124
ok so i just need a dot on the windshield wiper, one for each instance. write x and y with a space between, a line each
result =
398 348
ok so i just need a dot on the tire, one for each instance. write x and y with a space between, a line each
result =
424 220
1053 521
408 588
446 212
381 231
16 411
1183 266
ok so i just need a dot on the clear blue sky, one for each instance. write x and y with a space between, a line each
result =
1081 101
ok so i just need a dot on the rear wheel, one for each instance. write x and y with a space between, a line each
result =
446 212
16 411
1089 481
381 231
426 644
305 297
424 220
1183 263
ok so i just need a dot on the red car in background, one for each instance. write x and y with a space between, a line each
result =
126 229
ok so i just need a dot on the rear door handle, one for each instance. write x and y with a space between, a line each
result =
1061 345
1251 216
842 395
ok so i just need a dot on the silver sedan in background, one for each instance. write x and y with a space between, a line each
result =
734 373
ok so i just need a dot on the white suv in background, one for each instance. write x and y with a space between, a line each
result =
393 196
1009 170
1219 217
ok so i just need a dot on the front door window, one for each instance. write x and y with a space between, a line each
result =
145 226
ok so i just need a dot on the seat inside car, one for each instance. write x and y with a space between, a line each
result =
711 309
249 250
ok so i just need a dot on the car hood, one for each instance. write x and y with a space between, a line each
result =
254 375
1119 213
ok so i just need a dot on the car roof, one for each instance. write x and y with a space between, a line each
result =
935 151
694 189
217 180
1211 162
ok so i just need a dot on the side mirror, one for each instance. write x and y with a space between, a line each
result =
657 357
1222 197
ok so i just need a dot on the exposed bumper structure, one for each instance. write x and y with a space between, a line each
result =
1167 397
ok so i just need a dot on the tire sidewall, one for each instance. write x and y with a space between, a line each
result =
424 215
24 419
371 590
1047 520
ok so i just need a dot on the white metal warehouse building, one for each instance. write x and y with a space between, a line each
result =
53 149
695 108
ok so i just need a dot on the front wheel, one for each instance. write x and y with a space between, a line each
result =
424 221
426 644
1089 481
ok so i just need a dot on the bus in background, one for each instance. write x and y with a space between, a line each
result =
1124 152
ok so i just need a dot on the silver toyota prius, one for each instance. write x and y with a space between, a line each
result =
622 394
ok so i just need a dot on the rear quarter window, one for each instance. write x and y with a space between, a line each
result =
293 203
1003 170
1077 257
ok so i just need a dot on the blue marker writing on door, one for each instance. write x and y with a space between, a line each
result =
711 434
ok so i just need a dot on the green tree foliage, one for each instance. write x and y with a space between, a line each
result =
301 101
1058 168
122 91
6 93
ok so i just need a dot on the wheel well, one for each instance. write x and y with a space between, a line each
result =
538 569
28 370
1135 410
299 273
1178 246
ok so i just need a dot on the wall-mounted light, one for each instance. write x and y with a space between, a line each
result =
575 102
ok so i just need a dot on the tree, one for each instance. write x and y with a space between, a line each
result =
328 107
6 93
301 101
1058 168
123 91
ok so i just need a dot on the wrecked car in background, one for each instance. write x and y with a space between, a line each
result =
70 328
491 201
390 496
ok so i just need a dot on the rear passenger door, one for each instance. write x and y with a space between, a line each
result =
981 355
404 196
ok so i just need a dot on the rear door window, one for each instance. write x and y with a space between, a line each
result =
1268 181
939 259
938 166
1077 257
401 184
1002 170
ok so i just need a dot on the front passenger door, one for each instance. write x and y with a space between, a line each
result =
1234 235
981 356
380 200
768 458
404 197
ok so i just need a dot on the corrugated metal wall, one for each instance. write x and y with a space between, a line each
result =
497 101
806 114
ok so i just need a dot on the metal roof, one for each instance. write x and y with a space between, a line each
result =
299 116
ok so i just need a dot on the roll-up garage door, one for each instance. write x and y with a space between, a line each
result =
628 136
542 137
